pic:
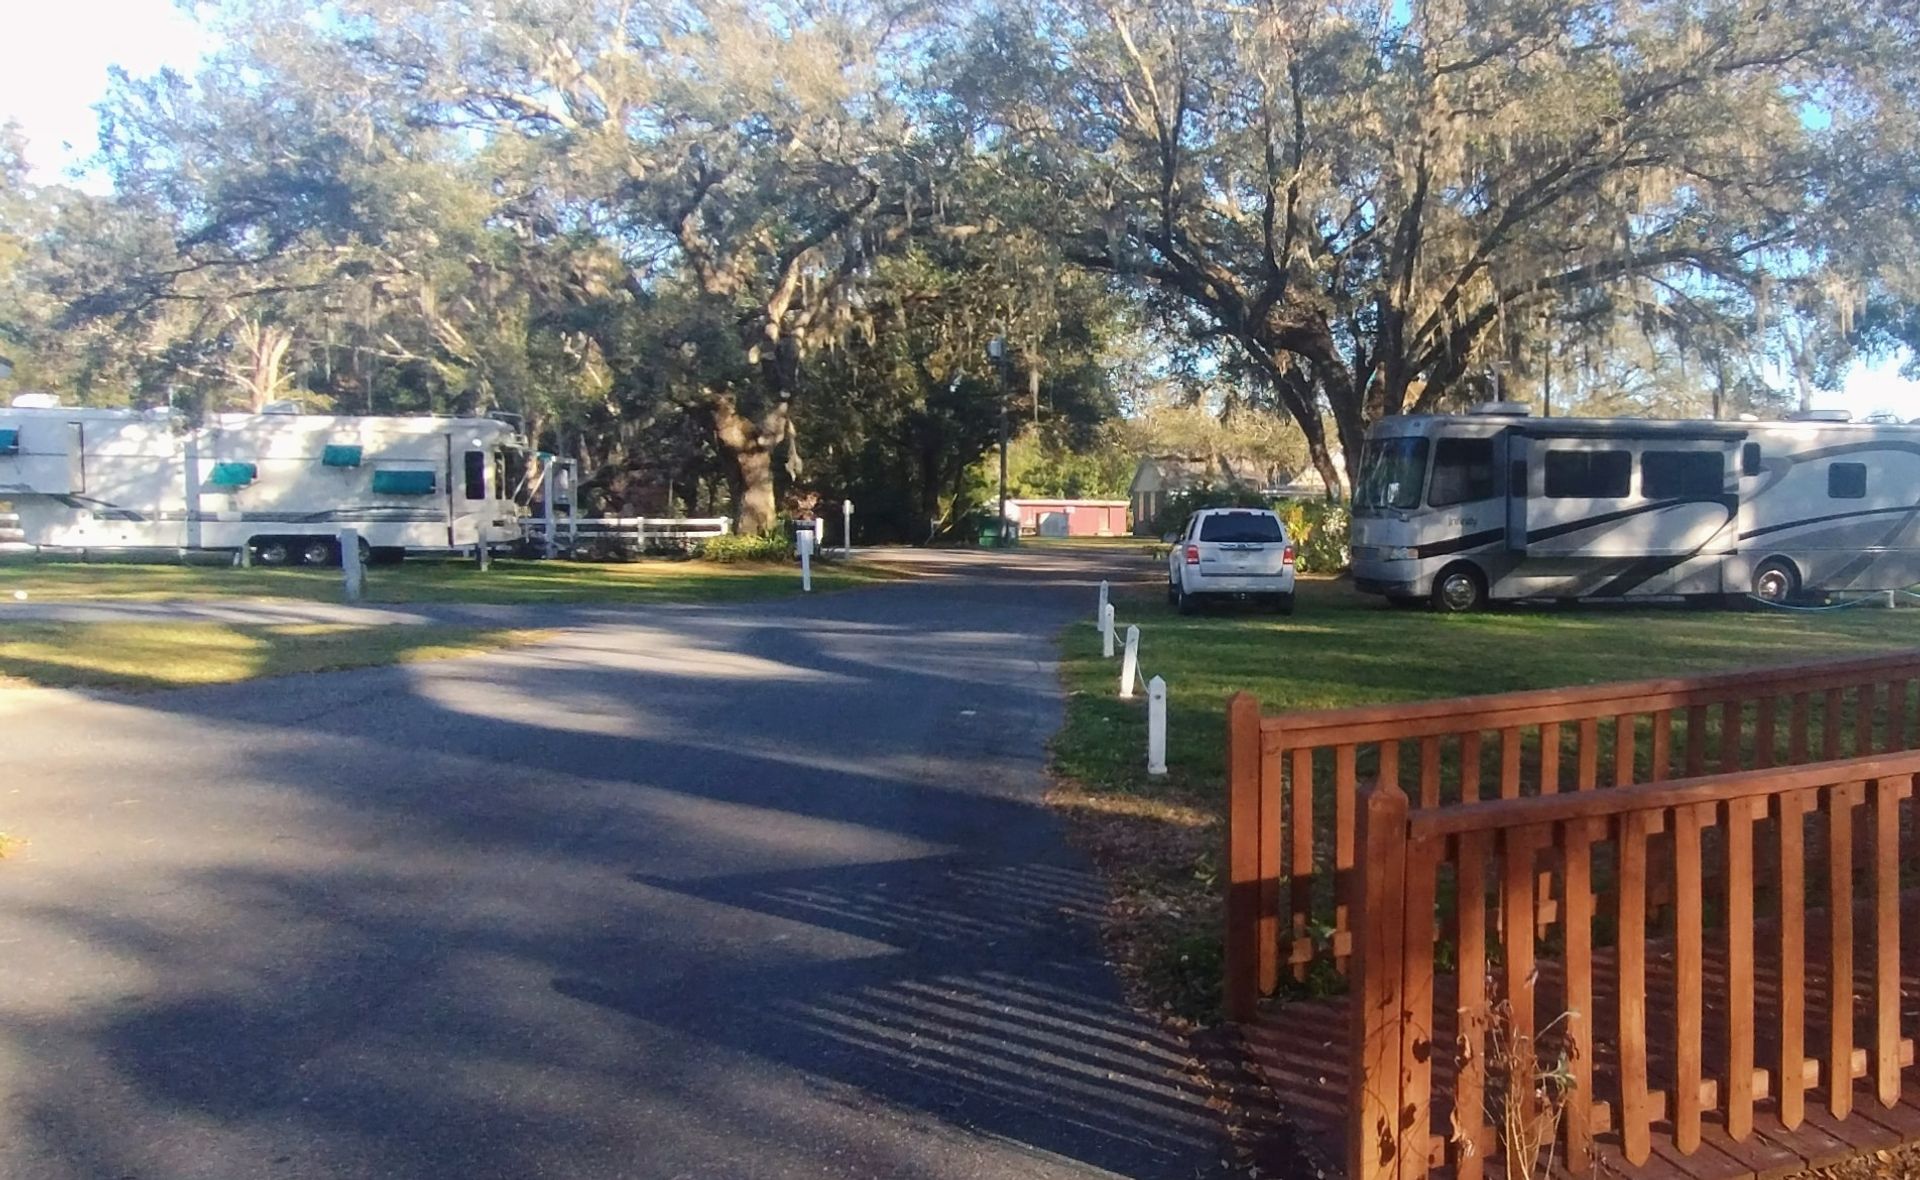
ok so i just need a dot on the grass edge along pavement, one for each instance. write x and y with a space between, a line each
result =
509 582
1160 841
145 656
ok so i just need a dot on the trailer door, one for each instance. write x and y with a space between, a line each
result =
1519 487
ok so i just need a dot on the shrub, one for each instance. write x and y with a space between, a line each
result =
775 546
1182 505
1319 530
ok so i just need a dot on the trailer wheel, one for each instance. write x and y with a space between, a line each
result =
1458 590
318 551
271 551
1776 581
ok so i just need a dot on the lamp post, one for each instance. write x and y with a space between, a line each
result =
997 349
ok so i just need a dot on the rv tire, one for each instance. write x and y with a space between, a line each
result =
271 551
1776 581
318 551
1459 589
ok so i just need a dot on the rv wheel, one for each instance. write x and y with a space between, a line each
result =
1776 581
272 551
317 552
1459 590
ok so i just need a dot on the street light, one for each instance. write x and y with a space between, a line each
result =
997 349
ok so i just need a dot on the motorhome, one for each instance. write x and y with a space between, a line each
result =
280 486
1496 504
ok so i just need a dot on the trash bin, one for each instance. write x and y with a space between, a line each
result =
989 532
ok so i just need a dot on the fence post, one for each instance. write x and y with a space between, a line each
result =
1100 612
1378 1004
482 555
353 574
1106 631
846 528
1156 726
1130 663
1240 989
803 540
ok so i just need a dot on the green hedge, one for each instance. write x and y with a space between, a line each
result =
738 547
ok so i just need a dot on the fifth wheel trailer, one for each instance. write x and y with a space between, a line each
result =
280 484
1494 504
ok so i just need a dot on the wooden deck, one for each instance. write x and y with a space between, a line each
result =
1302 1049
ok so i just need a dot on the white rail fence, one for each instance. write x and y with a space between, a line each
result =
645 534
1132 677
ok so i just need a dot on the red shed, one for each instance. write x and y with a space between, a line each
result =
1070 518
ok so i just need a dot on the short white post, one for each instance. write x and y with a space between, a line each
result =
353 573
549 475
1106 631
1100 613
1891 600
846 528
244 558
1156 726
1130 663
803 539
482 555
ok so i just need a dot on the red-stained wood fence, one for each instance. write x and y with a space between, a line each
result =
1655 1059
1293 778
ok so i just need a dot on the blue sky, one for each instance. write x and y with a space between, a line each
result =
60 51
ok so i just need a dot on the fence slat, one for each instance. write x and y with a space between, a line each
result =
1624 742
1736 893
1373 1135
1416 1039
1344 805
1589 770
1840 801
1763 733
1662 760
1429 772
1241 984
1469 765
1865 707
1470 1089
1789 1078
1688 968
1577 838
1797 725
1897 716
1387 773
1630 911
1300 879
1887 793
1517 855
1550 758
1696 741
1510 763
1272 852
1731 716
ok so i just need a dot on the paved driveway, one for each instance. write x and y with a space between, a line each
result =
764 891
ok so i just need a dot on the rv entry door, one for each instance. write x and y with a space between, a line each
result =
1514 455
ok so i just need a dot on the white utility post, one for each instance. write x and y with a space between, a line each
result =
481 554
1156 726
1106 631
846 528
803 540
549 474
1130 663
1100 613
352 572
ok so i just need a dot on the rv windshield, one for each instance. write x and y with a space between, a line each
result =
1391 473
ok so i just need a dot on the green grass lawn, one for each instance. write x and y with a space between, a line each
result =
144 655
508 582
1161 838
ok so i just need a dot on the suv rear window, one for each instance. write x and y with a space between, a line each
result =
1242 527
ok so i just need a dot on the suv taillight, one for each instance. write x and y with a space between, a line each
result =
1193 555
1286 555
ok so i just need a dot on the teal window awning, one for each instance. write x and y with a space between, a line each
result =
233 475
403 483
9 441
340 455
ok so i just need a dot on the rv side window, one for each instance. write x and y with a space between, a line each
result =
1462 472
1673 475
476 475
1750 459
1588 475
1847 481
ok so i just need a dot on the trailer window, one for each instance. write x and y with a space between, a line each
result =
1847 481
1681 475
1588 475
1750 459
476 473
1392 473
1463 471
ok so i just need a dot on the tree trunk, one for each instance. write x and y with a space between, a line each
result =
747 449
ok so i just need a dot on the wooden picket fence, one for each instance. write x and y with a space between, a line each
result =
1653 1058
1293 778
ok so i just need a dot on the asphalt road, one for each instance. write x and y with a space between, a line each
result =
762 891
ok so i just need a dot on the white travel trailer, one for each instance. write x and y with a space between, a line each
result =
1497 505
282 485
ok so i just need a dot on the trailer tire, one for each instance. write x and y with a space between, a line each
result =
1459 589
271 551
318 551
1776 581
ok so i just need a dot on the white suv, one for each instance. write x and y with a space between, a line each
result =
1237 552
